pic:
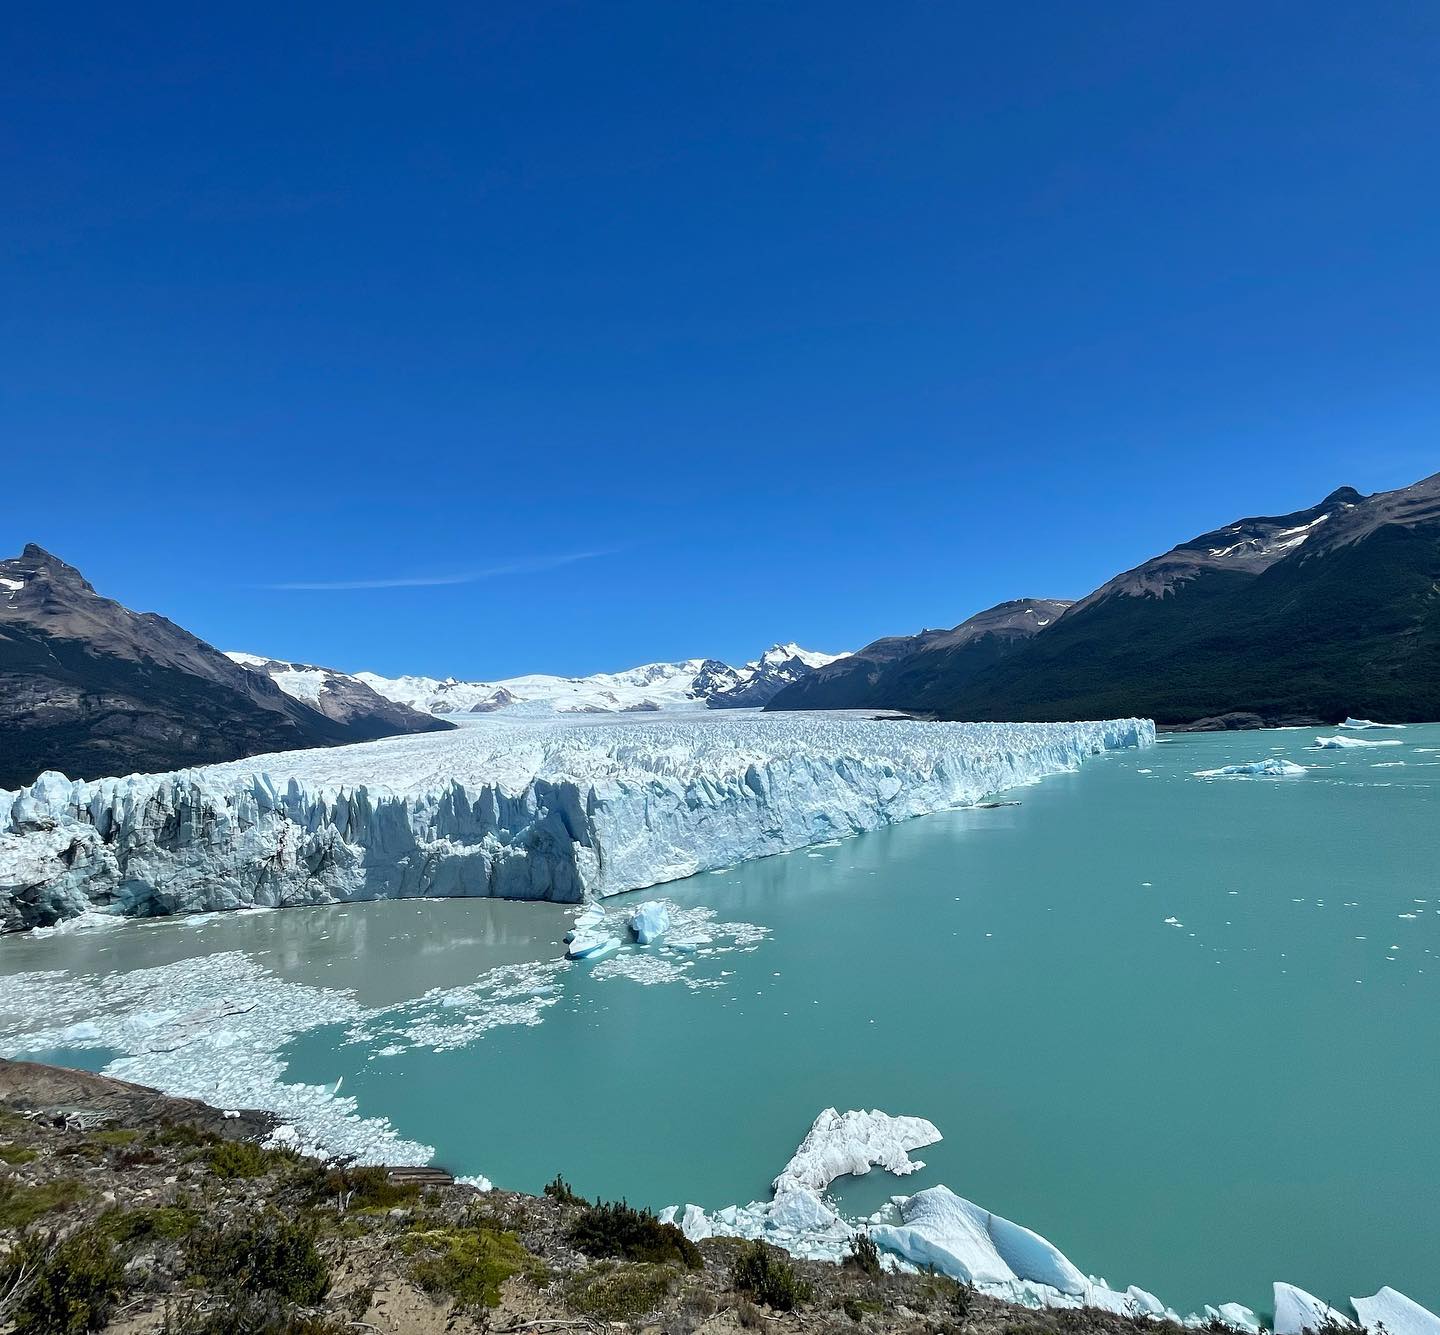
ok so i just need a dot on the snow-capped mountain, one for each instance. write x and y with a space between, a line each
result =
92 687
759 682
689 684
339 696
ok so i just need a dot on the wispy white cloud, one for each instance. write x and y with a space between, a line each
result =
528 566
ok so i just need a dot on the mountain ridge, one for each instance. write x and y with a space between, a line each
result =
1330 610
92 687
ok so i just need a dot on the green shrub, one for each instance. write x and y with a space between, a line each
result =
13 1154
857 1308
367 1188
63 1288
468 1265
169 1222
560 1190
246 1314
862 1255
610 1292
265 1255
953 1297
22 1204
615 1229
761 1272
185 1135
238 1158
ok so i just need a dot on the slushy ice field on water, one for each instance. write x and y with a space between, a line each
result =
1185 1028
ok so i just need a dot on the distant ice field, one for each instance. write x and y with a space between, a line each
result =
1176 1012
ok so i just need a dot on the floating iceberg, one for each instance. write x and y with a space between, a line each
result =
592 945
938 1228
517 810
1360 724
1297 1311
972 1245
1338 743
1398 1314
650 921
1271 766
850 1144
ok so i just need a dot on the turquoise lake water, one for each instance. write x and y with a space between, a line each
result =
1249 1091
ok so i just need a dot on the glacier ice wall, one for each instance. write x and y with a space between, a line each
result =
518 810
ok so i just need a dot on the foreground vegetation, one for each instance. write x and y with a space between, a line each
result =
153 1216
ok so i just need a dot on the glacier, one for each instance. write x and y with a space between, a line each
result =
516 809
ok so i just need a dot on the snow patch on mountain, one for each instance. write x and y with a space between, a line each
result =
513 808
652 687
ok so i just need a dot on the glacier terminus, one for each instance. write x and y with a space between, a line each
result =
519 809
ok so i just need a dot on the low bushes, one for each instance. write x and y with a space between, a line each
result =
761 1272
616 1229
265 1255
468 1265
607 1292
61 1288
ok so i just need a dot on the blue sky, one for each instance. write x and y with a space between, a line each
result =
590 334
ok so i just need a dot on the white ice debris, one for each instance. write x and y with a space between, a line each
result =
650 921
1338 743
521 810
972 1245
1297 1311
1271 766
1360 724
1397 1314
1235 1315
176 1036
797 1218
937 1228
850 1144
592 945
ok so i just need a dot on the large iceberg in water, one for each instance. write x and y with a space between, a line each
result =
959 1239
515 809
1338 743
1270 767
1396 1313
1297 1311
649 922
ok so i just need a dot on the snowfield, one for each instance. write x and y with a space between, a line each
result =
519 809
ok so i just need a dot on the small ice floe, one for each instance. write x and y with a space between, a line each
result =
1270 767
587 921
1173 922
1338 743
592 945
89 920
650 921
1361 724
1297 1311
1395 1313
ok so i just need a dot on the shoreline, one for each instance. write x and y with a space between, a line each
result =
142 1156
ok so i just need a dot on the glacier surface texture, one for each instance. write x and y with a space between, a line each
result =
518 810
